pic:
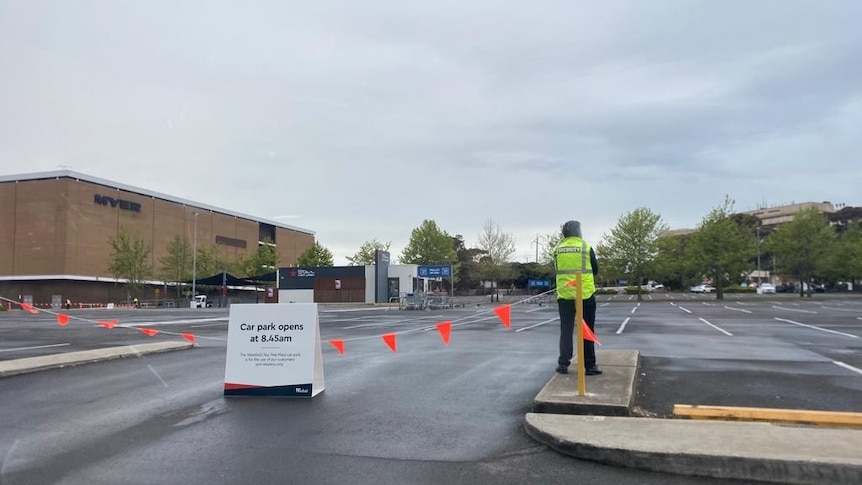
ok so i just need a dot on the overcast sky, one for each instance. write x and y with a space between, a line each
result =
359 119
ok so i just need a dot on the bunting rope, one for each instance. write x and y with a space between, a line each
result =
502 312
63 319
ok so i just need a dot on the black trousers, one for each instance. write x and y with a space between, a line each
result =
567 331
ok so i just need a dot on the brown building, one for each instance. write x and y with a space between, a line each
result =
56 227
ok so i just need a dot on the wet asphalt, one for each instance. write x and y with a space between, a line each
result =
429 413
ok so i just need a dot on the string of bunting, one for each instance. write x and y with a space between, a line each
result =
444 328
63 319
502 312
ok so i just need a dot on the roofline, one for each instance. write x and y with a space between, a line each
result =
57 174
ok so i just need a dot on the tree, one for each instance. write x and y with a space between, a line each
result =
499 247
176 266
366 253
845 262
632 245
315 256
467 276
801 246
130 259
264 259
429 244
721 249
672 266
210 261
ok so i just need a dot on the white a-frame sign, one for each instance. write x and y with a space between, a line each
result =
273 350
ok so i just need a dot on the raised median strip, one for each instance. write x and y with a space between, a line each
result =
609 394
748 451
34 364
790 416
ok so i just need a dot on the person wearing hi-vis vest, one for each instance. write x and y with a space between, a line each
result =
571 256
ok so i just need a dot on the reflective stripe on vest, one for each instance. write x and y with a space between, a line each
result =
569 265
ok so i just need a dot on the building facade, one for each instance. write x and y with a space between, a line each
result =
56 228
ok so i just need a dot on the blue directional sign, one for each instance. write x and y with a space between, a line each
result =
543 283
436 271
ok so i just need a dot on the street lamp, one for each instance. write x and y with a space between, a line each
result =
759 275
195 259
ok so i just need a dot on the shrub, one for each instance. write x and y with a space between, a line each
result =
740 289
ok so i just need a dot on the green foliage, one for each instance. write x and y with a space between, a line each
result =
672 267
801 247
315 256
263 260
130 259
720 248
176 266
467 276
211 261
845 262
740 289
429 244
367 251
632 245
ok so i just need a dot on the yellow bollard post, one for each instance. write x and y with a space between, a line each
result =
579 312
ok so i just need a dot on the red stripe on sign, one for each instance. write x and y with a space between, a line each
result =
229 386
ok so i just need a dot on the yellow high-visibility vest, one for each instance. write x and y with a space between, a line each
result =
571 256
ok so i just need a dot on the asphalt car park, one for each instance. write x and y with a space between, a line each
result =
427 413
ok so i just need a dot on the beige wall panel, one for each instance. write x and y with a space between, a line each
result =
290 245
40 227
7 228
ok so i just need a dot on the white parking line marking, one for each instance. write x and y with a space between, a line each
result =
630 298
386 324
604 304
817 328
158 376
635 309
537 309
848 367
623 326
177 322
34 348
738 309
538 324
717 328
840 309
793 309
708 304
685 309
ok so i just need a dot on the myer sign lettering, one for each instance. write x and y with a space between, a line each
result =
121 203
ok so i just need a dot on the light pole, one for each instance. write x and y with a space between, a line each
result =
536 242
757 229
195 259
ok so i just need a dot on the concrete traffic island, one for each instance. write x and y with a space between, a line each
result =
598 427
34 364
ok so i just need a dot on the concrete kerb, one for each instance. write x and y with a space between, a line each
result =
761 452
54 361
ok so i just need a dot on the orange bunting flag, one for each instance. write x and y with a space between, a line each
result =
338 344
588 334
149 331
62 319
389 338
28 308
109 323
189 337
445 329
505 314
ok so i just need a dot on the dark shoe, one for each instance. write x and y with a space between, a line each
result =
594 371
562 369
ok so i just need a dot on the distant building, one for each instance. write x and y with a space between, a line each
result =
55 231
773 216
